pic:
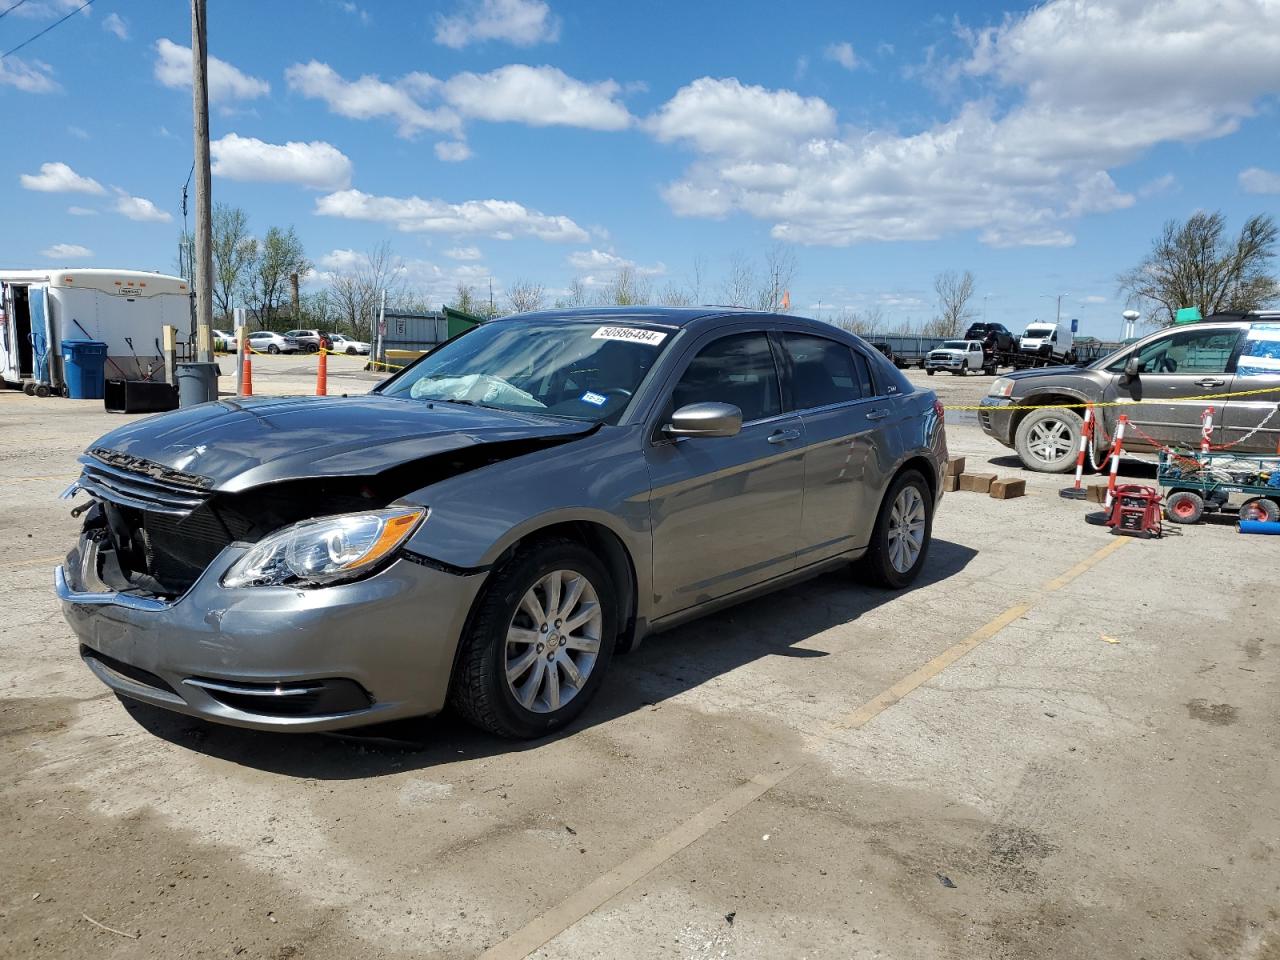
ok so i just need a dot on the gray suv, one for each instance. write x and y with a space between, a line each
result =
1165 372
490 524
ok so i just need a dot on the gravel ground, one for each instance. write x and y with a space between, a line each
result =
1051 747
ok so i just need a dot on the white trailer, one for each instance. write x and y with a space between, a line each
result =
125 309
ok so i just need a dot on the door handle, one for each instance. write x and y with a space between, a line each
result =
877 414
782 436
1209 382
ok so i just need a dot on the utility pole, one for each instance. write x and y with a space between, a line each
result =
203 273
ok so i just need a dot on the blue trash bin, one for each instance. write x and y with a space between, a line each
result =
84 363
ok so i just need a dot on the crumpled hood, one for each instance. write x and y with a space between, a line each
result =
236 444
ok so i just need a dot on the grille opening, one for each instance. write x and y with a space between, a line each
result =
126 670
306 698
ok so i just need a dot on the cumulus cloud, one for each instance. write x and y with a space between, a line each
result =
59 178
502 219
66 251
603 260
173 69
464 253
114 24
82 211
452 151
522 23
538 96
316 164
369 97
139 208
29 77
1257 180
842 53
1034 148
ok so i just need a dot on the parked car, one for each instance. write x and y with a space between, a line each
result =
225 342
310 341
492 522
1166 371
268 341
994 337
961 357
1051 342
341 343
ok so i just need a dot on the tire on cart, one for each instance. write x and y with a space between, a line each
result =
1260 508
1185 506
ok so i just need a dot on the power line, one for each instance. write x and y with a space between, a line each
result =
46 29
8 10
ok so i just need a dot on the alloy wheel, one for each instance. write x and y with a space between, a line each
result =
553 641
906 529
1052 440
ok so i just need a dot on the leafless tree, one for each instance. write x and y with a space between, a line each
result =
780 271
673 295
575 296
863 323
627 288
357 289
464 299
1191 264
235 253
740 283
698 278
954 291
525 296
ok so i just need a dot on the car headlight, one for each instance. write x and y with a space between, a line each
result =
325 550
1000 387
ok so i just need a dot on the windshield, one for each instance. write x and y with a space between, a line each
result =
1039 332
954 345
584 370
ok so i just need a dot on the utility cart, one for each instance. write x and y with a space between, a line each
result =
1196 484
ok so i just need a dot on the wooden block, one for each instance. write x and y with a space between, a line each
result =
1007 488
1096 493
950 483
954 467
977 482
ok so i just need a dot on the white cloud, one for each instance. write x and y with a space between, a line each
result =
464 253
356 11
502 219
1032 150
80 133
519 22
139 208
173 69
1093 298
539 96
114 24
1158 186
59 178
598 260
1257 180
842 53
66 251
370 97
29 77
427 280
316 164
724 116
82 211
452 151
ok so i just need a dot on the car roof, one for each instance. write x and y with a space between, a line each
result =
664 316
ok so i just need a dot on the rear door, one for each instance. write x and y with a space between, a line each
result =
845 422
725 510
1175 369
1252 422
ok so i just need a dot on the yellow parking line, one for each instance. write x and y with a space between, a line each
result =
545 927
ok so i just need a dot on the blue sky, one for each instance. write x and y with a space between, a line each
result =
1040 147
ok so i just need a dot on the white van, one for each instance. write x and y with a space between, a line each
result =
1053 341
125 309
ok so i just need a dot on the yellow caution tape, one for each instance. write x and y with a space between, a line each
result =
1115 403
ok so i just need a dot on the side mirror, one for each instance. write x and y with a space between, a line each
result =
705 420
1131 370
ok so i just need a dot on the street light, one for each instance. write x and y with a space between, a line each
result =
1059 296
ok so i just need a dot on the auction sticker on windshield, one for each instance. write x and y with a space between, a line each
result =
630 334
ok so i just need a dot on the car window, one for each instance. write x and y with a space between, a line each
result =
737 369
862 374
1186 351
822 371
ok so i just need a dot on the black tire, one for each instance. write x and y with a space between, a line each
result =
312 348
480 692
352 351
1026 437
962 372
931 372
1260 508
272 348
990 371
876 567
1185 506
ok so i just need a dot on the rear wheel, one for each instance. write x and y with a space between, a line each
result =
931 372
352 351
1185 506
903 530
540 641
272 348
1047 439
1260 508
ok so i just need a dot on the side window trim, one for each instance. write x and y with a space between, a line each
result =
788 395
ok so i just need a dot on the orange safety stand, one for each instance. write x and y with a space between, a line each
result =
322 374
247 380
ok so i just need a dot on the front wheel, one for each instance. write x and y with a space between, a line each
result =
901 537
539 643
931 372
272 348
352 351
1047 439
1184 506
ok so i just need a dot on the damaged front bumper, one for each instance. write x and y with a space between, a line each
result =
276 658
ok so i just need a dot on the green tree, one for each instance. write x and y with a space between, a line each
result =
281 255
235 254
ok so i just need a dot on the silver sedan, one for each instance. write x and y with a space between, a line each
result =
490 525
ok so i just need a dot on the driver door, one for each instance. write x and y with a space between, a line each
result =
1184 363
725 511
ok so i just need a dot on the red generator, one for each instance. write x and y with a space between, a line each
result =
1136 511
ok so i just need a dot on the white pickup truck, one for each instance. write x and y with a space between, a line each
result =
958 356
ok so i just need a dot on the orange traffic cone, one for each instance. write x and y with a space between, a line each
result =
322 374
246 381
